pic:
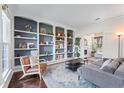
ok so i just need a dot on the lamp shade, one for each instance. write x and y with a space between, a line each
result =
118 30
119 33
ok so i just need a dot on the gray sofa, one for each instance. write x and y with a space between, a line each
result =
103 79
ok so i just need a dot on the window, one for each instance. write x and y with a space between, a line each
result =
0 46
5 43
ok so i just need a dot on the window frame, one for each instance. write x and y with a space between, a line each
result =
6 43
1 44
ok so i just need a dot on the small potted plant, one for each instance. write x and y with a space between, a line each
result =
93 53
77 46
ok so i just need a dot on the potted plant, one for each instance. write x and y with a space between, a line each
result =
77 46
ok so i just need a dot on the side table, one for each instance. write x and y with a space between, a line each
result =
85 60
43 67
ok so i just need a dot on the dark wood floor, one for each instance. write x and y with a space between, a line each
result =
32 81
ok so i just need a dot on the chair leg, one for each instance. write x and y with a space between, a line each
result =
79 77
40 76
21 77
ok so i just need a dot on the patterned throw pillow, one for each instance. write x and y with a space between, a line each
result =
33 60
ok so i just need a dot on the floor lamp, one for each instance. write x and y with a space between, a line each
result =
119 44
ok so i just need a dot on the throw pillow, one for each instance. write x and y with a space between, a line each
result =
105 63
104 59
33 60
111 67
120 71
120 60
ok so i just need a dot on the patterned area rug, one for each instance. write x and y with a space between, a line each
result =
60 77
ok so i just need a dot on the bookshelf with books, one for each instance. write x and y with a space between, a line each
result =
59 43
25 38
50 42
46 41
70 43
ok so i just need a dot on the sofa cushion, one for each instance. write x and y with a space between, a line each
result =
98 63
105 63
120 71
120 60
104 59
112 66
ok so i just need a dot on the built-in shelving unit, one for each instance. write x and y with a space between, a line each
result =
53 43
25 38
59 43
46 41
70 43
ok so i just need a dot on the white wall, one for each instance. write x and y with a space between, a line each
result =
110 40
20 12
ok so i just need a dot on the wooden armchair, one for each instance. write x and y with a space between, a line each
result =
30 68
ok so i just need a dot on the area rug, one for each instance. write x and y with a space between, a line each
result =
58 76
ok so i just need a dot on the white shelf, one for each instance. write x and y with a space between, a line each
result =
46 44
25 32
25 38
25 49
60 60
60 53
70 52
46 34
59 40
45 54
23 56
19 57
60 36
69 38
59 48
70 45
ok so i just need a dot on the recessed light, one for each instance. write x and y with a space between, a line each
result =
97 19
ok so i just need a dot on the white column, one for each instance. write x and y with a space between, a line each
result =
74 44
54 41
65 44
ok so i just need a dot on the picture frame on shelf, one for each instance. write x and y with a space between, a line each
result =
42 30
28 27
22 45
30 45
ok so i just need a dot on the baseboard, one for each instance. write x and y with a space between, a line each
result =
17 69
7 79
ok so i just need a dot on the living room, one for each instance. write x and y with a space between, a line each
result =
51 46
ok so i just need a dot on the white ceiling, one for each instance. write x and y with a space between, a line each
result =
73 15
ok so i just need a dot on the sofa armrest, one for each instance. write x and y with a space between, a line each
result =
99 77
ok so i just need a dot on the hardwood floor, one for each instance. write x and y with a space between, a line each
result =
32 81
